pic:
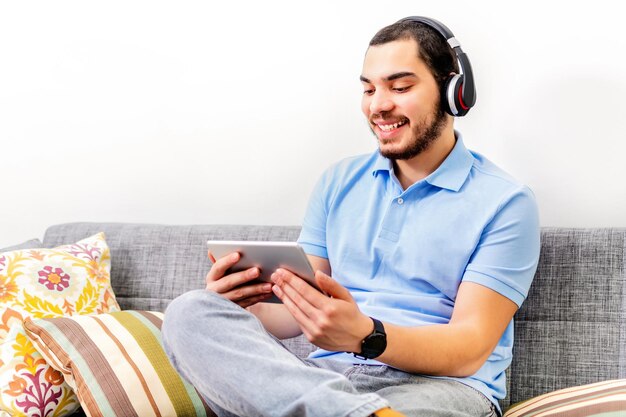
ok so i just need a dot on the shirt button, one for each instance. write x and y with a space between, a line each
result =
400 200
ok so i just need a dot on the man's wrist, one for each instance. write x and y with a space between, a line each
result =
375 343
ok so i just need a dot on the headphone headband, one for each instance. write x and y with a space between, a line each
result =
460 91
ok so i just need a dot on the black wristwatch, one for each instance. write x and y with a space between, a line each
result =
373 345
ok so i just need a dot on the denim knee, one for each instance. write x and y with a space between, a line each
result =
197 308
182 316
186 311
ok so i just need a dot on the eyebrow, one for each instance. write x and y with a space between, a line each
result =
391 77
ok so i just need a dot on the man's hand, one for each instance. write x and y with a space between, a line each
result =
332 322
232 286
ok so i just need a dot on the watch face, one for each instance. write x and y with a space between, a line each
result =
374 345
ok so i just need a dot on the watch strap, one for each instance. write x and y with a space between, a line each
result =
378 326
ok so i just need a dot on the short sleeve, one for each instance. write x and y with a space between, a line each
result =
506 257
313 234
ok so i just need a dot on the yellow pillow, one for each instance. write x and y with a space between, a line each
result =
45 283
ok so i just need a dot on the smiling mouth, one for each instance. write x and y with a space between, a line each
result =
391 126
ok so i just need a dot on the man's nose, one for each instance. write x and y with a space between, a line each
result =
381 102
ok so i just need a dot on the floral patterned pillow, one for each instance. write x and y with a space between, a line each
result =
45 283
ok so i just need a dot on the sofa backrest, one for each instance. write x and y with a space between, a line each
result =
153 264
570 331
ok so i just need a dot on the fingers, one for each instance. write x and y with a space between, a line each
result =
248 291
331 287
304 302
220 266
230 281
293 295
236 286
244 295
218 281
253 300
306 324
284 278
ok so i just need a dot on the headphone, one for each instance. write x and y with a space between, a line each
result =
459 92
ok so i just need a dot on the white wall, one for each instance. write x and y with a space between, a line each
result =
227 112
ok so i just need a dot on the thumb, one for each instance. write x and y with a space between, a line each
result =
331 287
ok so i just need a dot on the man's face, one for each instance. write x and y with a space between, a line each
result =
401 99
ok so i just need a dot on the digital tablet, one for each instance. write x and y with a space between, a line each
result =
268 257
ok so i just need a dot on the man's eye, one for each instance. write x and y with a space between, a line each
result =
368 92
400 89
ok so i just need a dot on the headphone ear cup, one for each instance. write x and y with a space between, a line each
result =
452 100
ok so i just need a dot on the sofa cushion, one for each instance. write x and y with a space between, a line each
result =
29 244
606 398
70 279
116 364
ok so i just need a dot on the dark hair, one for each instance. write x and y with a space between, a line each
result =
433 48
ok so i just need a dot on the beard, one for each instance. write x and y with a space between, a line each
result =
423 135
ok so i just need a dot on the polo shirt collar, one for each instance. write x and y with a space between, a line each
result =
381 164
452 172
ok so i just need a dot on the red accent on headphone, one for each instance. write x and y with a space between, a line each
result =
461 99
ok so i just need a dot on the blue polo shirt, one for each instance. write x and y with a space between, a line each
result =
404 253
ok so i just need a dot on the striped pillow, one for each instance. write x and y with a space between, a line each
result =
116 364
602 399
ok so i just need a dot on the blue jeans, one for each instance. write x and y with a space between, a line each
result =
242 370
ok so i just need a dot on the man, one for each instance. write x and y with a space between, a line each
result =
431 249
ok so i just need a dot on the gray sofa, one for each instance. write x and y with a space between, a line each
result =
570 331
